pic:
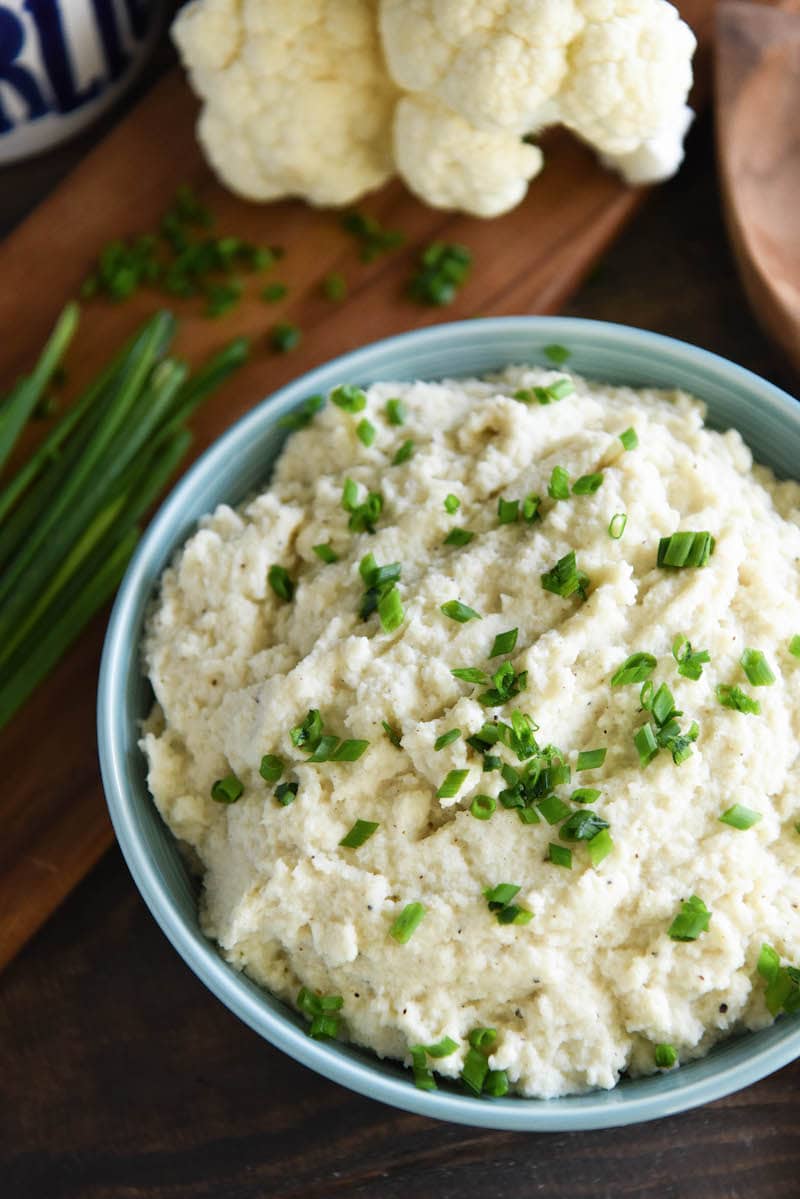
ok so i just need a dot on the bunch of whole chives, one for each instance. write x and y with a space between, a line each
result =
69 517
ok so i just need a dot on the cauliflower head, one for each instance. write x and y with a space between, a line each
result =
297 99
325 99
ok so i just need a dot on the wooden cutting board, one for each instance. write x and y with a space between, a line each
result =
52 812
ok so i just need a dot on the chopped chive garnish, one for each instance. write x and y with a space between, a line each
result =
274 292
281 584
600 847
285 337
507 685
585 795
407 922
458 536
507 511
325 553
452 784
470 674
391 611
373 240
442 1048
738 700
530 507
499 901
303 415
690 661
553 809
496 1084
665 1056
646 744
396 412
616 526
349 398
634 669
391 733
365 432
587 484
755 666
557 354
491 762
286 793
558 487
324 748
483 1040
560 389
783 982
227 790
308 734
323 1011
460 612
334 287
497 897
738 816
582 825
452 504
364 515
474 1071
629 439
692 920
565 579
794 646
349 750
482 807
769 963
271 768
447 739
590 759
405 452
423 1077
685 549
559 855
361 831
504 643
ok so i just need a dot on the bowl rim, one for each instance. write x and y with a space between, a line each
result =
233 990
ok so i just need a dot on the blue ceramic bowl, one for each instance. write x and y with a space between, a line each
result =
770 422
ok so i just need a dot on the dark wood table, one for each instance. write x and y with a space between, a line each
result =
121 1076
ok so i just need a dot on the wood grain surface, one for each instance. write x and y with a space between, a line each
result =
531 260
121 1077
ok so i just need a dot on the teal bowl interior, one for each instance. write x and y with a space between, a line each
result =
769 420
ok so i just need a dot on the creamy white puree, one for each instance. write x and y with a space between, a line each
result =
588 987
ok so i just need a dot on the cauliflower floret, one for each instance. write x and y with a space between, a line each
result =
298 101
616 72
454 165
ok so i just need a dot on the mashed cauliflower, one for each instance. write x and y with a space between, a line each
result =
576 971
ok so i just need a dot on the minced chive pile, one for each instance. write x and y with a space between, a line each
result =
442 271
183 258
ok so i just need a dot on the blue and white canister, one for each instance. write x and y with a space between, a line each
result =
62 62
